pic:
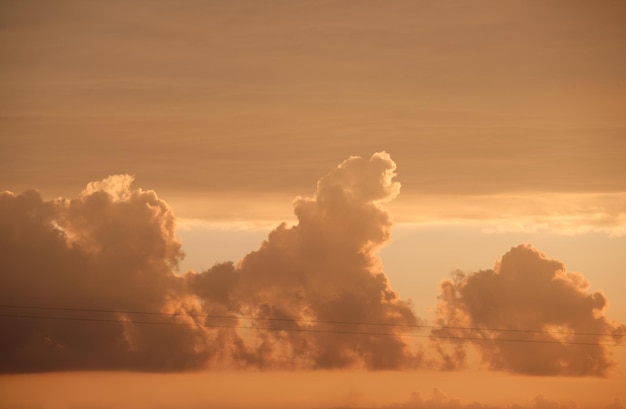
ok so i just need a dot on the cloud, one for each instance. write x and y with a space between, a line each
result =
114 248
111 248
526 290
301 389
324 269
439 400
530 212
303 299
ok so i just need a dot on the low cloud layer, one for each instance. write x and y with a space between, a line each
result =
106 262
302 390
547 212
439 400
528 291
114 248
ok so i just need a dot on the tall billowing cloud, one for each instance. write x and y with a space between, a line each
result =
322 269
114 248
534 300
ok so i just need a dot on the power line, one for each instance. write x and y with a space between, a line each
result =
308 330
311 321
311 330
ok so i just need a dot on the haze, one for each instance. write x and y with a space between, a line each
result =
312 204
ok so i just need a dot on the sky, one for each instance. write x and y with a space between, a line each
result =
327 204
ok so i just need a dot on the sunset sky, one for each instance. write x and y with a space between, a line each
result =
335 170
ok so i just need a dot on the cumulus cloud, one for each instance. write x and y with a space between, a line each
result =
527 291
303 299
114 248
321 269
110 248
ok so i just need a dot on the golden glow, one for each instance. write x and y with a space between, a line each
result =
320 389
506 122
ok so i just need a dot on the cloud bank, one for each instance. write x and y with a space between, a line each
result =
114 248
299 389
107 260
526 290
439 400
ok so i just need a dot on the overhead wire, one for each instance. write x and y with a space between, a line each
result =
309 330
311 321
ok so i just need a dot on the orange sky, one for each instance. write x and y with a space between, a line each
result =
503 124
468 98
320 389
